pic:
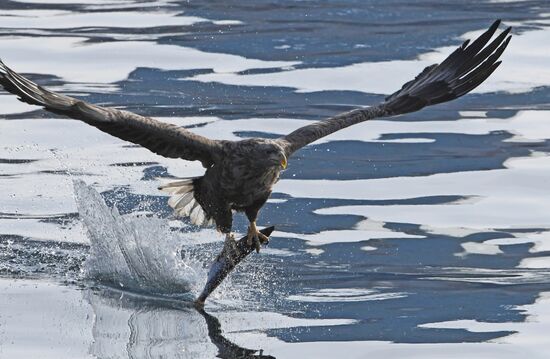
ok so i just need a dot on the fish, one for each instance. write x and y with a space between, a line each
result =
231 255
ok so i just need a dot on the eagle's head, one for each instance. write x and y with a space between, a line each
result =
272 154
276 156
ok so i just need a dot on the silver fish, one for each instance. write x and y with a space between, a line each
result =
230 256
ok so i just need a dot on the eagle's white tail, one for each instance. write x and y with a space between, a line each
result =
183 201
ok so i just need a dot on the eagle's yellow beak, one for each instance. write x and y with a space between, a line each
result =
284 162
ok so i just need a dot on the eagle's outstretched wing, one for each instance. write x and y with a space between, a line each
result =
466 68
165 139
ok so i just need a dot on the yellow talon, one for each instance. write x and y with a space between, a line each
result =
255 237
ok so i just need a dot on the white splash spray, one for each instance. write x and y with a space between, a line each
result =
137 253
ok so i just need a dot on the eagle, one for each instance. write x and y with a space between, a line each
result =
240 175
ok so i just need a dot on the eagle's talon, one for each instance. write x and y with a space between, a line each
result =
257 244
255 238
263 238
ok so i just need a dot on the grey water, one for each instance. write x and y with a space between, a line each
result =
426 235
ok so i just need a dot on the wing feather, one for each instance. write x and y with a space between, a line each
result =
164 139
462 71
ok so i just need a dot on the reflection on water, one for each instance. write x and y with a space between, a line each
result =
226 348
127 326
428 228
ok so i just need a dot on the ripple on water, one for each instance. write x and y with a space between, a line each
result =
354 237
343 295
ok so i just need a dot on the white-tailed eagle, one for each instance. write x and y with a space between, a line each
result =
240 174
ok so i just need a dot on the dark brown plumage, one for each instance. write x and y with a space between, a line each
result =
240 175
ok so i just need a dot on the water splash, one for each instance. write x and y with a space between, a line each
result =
137 253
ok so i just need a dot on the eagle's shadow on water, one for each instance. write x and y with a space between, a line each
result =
135 326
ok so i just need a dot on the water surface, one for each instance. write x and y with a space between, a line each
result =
425 235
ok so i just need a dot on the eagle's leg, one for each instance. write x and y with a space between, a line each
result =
229 247
254 236
229 238
224 224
